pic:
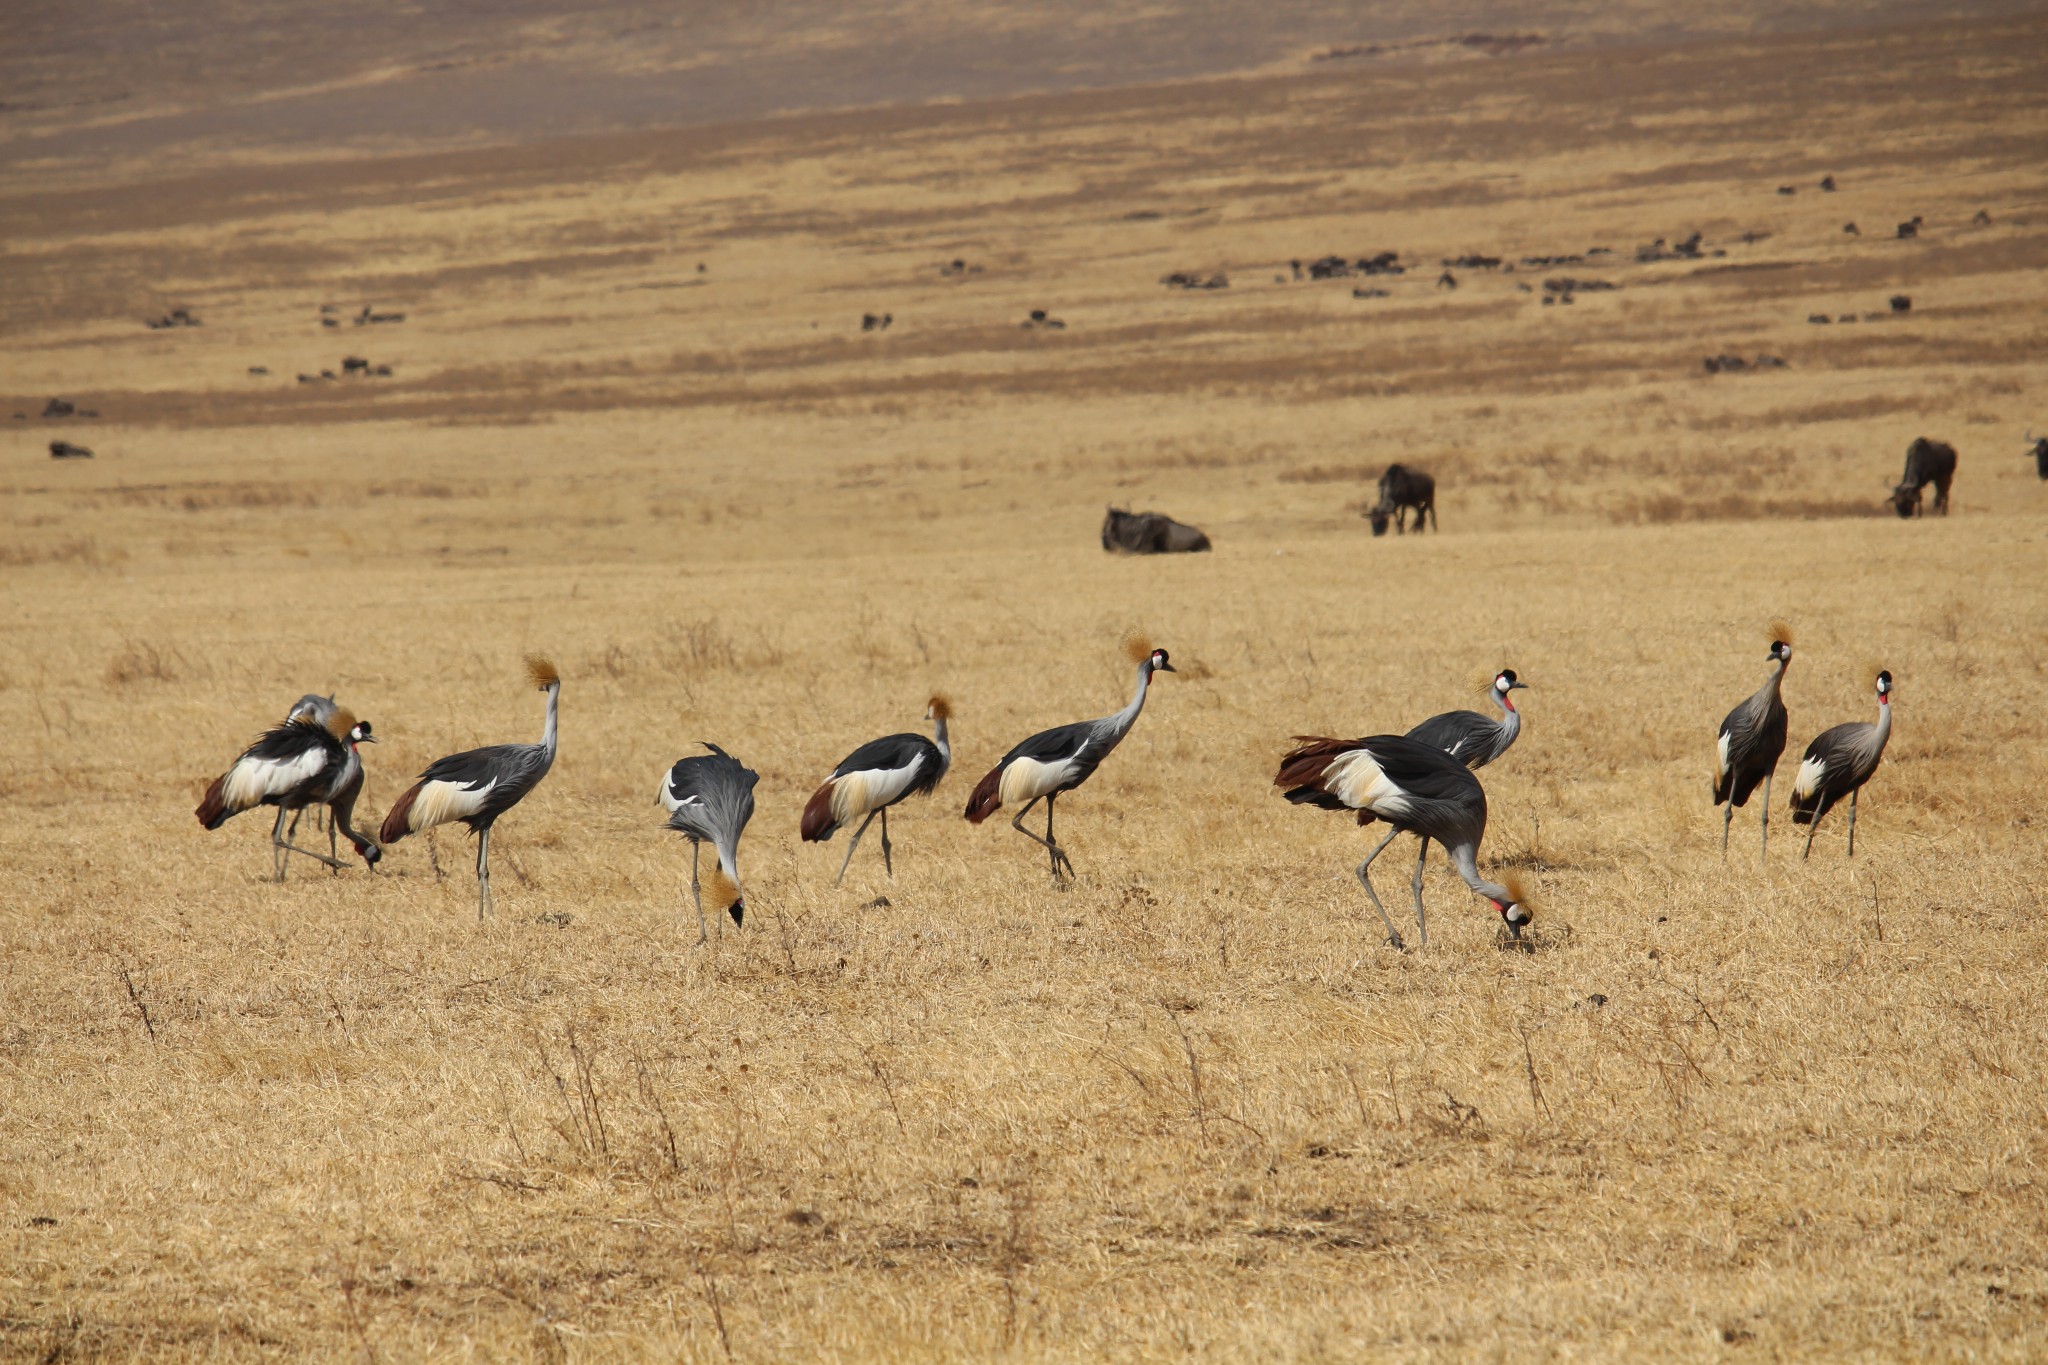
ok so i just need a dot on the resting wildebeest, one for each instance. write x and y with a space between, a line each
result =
1400 489
2040 454
1149 533
64 450
1926 462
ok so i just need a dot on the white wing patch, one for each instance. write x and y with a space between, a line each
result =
857 793
1808 779
1027 779
252 780
1721 757
1358 781
440 802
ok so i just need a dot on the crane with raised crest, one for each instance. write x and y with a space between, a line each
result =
1061 759
479 785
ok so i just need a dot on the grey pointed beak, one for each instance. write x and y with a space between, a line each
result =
738 910
1166 668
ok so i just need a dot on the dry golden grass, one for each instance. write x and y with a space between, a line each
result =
1191 1106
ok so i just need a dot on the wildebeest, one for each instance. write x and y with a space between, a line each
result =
64 450
1926 462
1400 489
1149 533
2040 453
1902 303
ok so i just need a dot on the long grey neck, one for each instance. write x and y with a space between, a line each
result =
1768 693
1120 724
547 735
1465 858
939 738
1510 718
1882 733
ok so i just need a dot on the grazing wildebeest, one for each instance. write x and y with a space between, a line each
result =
1827 182
1911 227
64 450
1902 303
1926 462
1400 489
1149 533
2040 453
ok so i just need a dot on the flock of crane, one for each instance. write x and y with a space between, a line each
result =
1420 783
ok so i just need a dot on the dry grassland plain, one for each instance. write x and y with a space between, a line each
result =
1192 1106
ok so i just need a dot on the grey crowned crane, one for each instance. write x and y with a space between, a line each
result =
1476 740
297 764
1838 763
1752 738
875 777
479 785
1411 786
1059 760
317 709
711 797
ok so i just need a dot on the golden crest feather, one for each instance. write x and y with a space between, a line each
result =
340 723
1137 648
720 891
1781 632
1482 680
541 673
1518 891
941 707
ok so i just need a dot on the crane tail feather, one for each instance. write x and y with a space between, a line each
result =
213 807
987 797
1303 766
398 823
818 822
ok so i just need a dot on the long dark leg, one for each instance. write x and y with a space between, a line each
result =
1059 855
1018 825
483 872
333 837
285 847
887 866
1811 830
1727 818
1852 822
853 844
1766 822
278 855
1393 934
1421 924
697 891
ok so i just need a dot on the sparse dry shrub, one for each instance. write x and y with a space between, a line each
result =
139 661
1663 509
84 551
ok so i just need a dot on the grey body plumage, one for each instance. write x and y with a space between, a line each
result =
710 798
1750 742
1413 787
1471 738
1837 764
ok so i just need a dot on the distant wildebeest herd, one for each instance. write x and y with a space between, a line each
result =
1403 489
